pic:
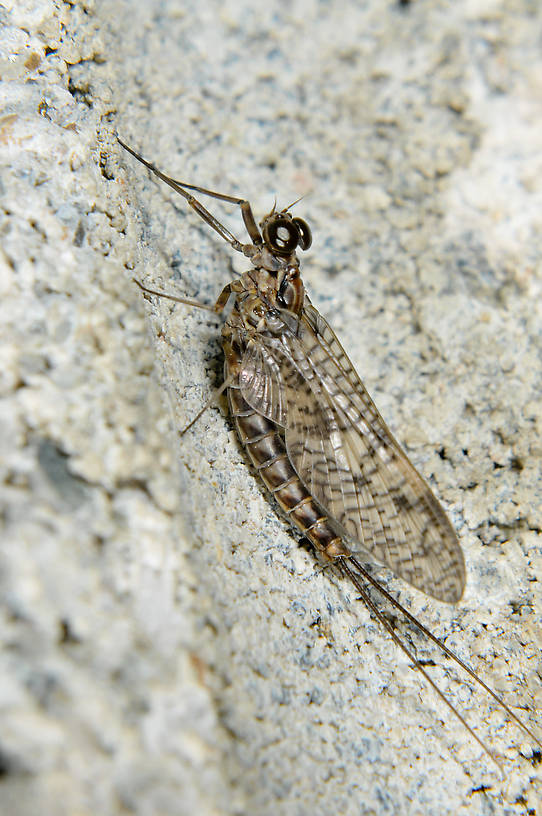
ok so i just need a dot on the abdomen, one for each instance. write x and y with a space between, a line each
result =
265 446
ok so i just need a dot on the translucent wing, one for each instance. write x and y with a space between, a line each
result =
347 457
261 380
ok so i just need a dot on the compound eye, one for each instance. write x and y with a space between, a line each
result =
282 235
286 295
305 234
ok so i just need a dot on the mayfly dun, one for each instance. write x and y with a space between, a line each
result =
314 435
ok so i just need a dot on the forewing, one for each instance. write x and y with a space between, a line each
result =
352 465
262 381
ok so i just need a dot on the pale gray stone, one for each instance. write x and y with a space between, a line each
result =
168 648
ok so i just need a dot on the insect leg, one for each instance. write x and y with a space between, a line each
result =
211 401
217 308
176 298
246 209
181 188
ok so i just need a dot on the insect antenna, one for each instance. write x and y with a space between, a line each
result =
289 207
344 567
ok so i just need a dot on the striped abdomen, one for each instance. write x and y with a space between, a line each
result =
265 445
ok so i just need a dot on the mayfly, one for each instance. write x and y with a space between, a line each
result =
314 435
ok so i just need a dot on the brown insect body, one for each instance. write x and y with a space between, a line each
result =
255 307
315 436
291 381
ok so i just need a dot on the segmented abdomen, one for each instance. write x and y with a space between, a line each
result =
266 448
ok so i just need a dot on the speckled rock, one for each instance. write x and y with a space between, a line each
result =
167 645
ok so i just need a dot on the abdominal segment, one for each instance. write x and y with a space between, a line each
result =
265 446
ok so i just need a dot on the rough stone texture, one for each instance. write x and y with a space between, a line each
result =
167 647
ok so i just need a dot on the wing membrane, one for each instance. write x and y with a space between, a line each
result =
348 459
261 382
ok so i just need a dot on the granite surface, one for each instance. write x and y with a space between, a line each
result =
167 645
